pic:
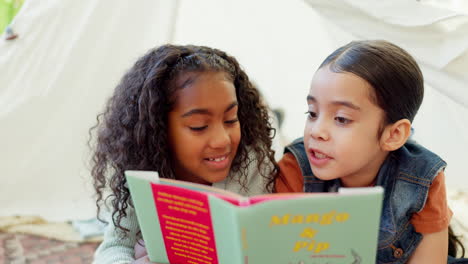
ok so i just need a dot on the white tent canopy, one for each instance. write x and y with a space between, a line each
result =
69 56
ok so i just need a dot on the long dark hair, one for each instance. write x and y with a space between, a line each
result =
132 130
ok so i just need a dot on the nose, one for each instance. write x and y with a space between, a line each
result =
318 130
220 138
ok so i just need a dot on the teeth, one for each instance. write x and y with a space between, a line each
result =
320 155
217 159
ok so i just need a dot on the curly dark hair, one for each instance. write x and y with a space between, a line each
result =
132 130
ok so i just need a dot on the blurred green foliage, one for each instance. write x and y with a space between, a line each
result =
8 10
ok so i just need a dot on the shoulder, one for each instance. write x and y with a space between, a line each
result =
288 160
413 151
435 215
416 160
253 174
290 177
297 143
256 164
118 247
296 148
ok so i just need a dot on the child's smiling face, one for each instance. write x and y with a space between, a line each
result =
204 131
341 135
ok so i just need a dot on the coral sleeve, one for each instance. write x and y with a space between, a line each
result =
436 215
290 176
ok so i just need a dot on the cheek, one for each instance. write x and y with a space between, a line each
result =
183 145
371 135
172 129
306 129
188 151
172 141
354 144
236 136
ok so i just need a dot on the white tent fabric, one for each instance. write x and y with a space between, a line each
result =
55 77
54 80
434 36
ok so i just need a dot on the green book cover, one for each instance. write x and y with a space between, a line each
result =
190 223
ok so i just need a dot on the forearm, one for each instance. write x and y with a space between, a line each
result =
115 247
432 249
113 254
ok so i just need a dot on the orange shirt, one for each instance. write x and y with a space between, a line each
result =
434 217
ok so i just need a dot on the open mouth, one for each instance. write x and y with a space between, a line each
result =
318 159
218 162
319 155
218 159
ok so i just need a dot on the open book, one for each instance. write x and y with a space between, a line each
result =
184 222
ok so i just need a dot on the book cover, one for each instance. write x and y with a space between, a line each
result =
184 222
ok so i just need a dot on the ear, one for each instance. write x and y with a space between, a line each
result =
395 135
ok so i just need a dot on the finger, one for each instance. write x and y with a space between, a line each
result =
140 249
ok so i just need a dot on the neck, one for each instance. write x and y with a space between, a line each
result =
368 177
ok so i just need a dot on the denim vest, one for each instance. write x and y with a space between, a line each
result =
405 175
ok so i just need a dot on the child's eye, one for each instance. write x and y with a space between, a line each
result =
311 115
342 120
198 128
232 121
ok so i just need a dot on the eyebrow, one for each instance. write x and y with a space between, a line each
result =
203 111
348 104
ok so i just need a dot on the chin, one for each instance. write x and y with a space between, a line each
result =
216 177
323 176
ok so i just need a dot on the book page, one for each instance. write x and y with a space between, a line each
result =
186 224
320 228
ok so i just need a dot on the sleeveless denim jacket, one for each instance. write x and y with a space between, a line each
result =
405 175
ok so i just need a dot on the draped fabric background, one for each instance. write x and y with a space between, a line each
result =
56 76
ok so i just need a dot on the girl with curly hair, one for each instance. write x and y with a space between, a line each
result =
190 113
